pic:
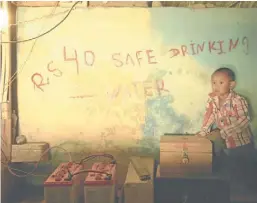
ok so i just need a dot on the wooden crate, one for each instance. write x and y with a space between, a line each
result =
182 156
135 190
30 152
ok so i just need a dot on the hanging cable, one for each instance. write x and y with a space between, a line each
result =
23 65
41 35
39 18
10 81
31 173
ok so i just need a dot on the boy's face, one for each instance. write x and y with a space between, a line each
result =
221 84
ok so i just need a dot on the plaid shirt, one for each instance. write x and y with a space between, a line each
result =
231 118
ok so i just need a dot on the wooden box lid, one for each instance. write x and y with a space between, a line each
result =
175 143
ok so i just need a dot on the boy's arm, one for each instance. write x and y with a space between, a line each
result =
242 118
208 120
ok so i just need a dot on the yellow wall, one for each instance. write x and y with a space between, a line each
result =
76 103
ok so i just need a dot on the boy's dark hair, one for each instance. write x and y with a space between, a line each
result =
228 71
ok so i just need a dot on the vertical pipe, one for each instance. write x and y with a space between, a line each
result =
6 129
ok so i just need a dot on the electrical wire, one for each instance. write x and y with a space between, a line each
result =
13 77
41 35
109 176
90 157
21 171
39 18
10 169
31 173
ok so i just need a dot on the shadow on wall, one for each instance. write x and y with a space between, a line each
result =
251 109
245 94
251 114
252 117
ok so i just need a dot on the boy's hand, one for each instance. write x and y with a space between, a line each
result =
213 94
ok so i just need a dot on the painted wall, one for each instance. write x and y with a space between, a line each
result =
128 73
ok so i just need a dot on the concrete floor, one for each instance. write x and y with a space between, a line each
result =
36 195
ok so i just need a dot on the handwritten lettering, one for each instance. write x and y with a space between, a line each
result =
86 53
129 60
139 58
116 57
134 59
38 81
193 48
69 58
147 86
56 72
160 87
148 89
200 47
140 90
184 50
114 93
221 47
232 44
212 46
150 57
218 47
174 52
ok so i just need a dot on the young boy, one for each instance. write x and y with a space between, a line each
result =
229 112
